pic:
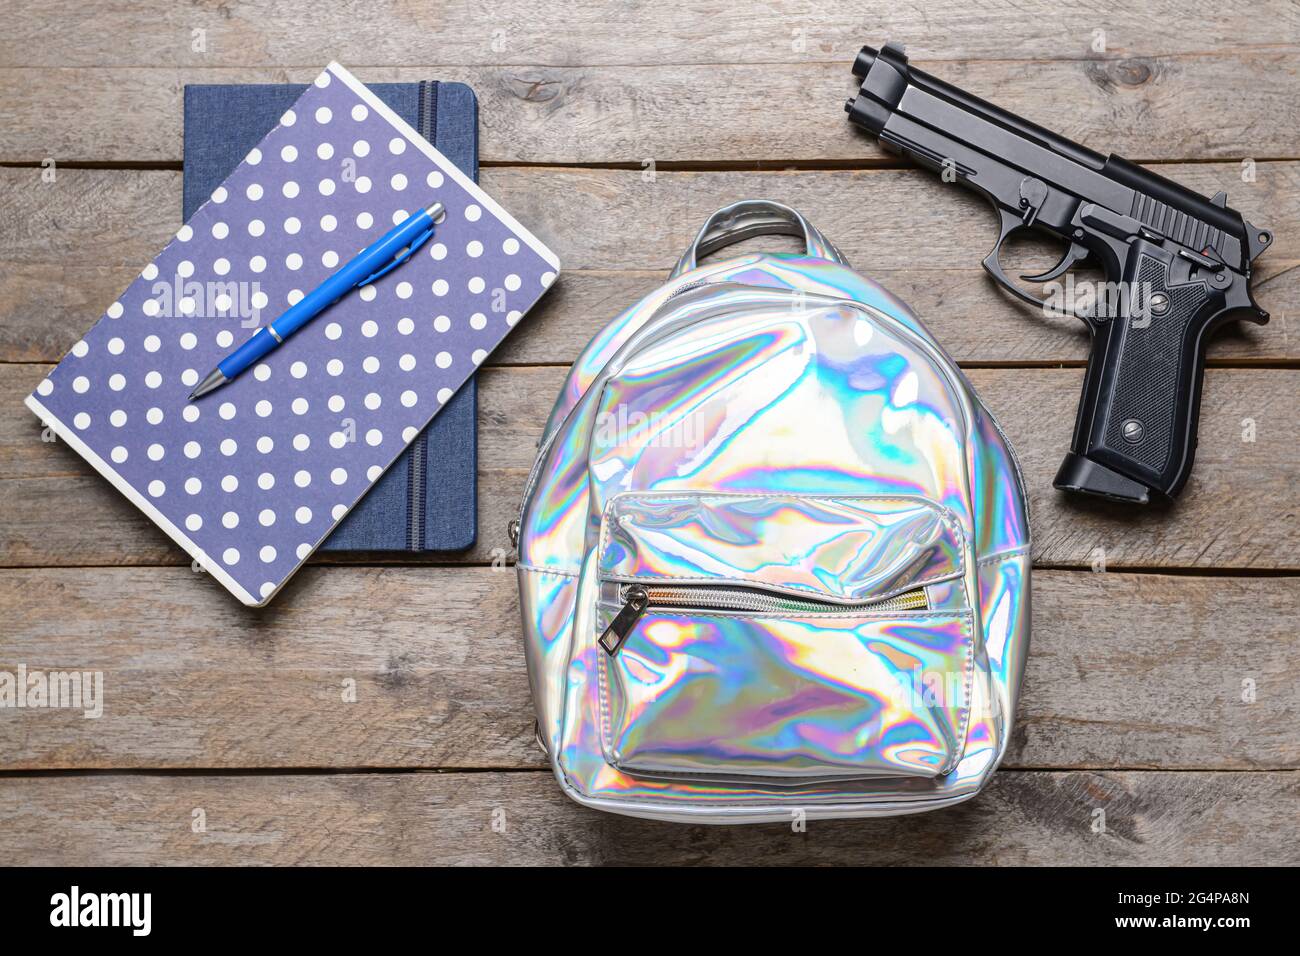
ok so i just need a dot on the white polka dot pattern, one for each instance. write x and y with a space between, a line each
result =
257 474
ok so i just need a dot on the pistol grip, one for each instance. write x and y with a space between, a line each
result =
1136 428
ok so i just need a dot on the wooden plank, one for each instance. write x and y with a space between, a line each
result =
1142 108
1236 512
974 319
52 305
1099 819
880 219
1135 671
689 31
68 248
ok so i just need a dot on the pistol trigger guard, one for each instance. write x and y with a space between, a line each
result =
1010 223
1076 253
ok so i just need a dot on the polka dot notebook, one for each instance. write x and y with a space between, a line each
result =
253 477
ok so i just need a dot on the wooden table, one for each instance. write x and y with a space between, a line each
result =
1159 718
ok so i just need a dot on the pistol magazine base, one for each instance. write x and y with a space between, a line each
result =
1086 476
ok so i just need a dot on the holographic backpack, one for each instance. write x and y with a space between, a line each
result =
773 556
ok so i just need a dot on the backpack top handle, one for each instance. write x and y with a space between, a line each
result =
749 218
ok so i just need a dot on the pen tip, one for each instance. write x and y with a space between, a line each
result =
215 379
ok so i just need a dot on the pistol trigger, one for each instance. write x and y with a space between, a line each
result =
1076 253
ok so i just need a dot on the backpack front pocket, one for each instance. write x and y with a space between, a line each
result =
781 639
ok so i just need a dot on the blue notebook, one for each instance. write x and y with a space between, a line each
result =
253 478
427 500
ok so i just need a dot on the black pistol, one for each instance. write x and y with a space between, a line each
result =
1179 264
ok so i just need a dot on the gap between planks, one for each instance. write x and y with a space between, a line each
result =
1239 362
867 163
412 559
63 772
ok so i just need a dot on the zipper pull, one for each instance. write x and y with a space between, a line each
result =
621 626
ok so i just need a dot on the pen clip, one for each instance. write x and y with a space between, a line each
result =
401 257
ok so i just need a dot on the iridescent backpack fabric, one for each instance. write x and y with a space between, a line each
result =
773 556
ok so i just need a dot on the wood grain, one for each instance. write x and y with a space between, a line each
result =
52 305
879 218
1143 108
600 32
1238 510
68 248
1136 671
1097 819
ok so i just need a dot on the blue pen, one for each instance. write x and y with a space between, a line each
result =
370 263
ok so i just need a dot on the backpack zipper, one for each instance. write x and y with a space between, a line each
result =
637 598
687 288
